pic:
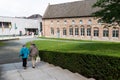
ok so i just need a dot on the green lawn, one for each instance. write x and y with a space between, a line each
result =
81 47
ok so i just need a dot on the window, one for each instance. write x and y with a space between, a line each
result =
105 32
76 31
88 31
89 21
99 21
5 24
40 26
115 33
96 32
71 31
73 22
65 22
0 24
58 30
57 22
82 31
52 31
81 22
51 22
64 31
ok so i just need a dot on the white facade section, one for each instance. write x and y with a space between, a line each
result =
19 25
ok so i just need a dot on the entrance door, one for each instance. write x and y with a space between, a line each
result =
58 33
20 33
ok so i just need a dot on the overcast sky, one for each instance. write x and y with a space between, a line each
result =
20 8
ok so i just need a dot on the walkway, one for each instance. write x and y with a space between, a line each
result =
43 71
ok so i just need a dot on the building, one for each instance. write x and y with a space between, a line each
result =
73 20
20 25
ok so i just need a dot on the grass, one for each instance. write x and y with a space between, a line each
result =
80 47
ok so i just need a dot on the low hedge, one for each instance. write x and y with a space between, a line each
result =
89 65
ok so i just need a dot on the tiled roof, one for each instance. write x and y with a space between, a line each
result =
70 9
34 16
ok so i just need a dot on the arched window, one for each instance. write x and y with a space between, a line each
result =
57 22
65 22
64 31
96 32
52 31
81 21
105 32
76 31
73 21
71 30
115 32
88 31
89 21
51 22
82 29
99 21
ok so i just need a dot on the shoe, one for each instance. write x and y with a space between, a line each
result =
33 67
25 67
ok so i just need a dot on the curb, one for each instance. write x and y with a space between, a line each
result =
9 39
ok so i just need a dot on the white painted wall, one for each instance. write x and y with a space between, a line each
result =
20 23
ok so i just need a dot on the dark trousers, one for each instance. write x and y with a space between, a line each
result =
24 62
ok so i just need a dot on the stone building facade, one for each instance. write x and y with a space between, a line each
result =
74 21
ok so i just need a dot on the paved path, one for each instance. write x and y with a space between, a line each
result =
43 71
10 52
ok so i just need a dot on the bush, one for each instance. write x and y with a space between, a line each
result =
96 66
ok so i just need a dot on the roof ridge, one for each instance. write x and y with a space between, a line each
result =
65 3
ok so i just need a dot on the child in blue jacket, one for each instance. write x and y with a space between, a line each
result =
24 52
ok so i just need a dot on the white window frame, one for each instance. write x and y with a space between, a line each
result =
82 31
76 31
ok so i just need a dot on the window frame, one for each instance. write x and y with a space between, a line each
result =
76 30
52 31
96 32
70 30
82 30
115 32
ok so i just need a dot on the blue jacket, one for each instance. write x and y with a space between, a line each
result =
24 52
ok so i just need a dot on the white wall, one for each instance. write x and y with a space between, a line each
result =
20 23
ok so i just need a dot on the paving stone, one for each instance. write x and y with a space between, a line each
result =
7 67
42 71
11 75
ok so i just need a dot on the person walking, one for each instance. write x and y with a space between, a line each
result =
24 52
33 54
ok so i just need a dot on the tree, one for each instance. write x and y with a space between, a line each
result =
109 11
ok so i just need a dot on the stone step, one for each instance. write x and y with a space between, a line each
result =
42 71
45 65
75 75
91 79
63 74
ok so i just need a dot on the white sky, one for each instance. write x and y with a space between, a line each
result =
20 8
